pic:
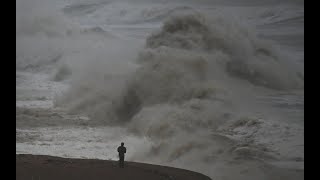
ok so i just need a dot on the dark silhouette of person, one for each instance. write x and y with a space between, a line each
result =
121 150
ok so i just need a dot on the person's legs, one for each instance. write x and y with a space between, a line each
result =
121 161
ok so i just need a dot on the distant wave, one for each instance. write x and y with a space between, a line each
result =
77 9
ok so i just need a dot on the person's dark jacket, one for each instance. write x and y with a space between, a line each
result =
122 150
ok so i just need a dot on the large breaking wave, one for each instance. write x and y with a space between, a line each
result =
189 58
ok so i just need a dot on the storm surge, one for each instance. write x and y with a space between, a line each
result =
191 88
184 90
189 58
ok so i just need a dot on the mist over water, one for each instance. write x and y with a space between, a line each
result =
186 84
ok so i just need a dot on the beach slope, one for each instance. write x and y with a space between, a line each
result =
48 167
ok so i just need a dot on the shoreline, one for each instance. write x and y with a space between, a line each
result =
44 167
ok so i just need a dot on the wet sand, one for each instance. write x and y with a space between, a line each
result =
41 167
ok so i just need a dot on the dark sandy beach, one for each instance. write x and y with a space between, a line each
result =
40 167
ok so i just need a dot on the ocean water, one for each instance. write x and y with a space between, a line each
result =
210 86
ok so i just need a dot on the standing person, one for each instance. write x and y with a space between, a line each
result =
121 150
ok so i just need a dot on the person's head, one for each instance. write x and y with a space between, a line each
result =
122 144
